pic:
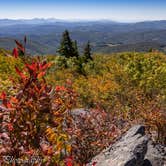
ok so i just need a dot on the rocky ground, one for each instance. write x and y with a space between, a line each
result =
134 148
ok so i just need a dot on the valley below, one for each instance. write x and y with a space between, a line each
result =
44 35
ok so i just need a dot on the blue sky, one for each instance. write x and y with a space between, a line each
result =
119 10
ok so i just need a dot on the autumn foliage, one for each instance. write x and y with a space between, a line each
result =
91 132
39 95
39 123
130 86
33 119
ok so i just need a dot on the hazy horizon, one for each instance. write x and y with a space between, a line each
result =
80 20
119 10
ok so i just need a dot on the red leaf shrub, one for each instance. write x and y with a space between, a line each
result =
33 120
15 53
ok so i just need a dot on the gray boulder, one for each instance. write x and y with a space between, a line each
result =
156 155
132 149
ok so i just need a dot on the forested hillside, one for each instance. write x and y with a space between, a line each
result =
105 36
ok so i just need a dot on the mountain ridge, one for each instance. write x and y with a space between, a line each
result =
44 34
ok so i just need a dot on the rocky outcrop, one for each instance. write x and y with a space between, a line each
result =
156 155
132 149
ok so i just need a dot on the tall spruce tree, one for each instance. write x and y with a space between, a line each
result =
76 54
66 47
87 52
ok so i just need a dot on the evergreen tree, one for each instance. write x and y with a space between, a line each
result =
87 52
76 54
66 47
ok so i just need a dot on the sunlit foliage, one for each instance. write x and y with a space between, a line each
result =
39 95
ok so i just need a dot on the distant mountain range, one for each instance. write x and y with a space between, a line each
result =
105 36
